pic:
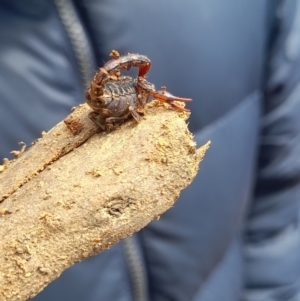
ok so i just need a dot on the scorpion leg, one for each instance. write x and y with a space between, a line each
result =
95 117
167 97
113 122
135 114
141 101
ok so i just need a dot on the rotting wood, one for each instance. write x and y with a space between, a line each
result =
60 206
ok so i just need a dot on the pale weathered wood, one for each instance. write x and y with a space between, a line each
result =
60 206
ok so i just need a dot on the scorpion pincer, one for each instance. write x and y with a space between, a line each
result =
114 98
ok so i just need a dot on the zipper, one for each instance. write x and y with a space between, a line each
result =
78 39
136 268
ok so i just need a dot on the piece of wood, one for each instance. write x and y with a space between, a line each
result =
75 193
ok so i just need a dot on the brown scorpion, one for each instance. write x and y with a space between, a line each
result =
114 98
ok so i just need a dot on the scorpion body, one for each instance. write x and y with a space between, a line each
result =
114 97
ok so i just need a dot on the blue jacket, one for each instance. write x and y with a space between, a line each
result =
234 234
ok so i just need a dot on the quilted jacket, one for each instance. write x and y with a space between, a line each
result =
234 234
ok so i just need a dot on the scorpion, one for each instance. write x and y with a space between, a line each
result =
114 97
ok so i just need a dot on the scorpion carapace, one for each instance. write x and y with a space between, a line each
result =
115 97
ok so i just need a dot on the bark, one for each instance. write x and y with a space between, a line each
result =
76 192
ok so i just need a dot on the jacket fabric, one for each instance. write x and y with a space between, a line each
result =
234 234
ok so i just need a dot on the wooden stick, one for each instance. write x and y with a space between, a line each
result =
75 193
